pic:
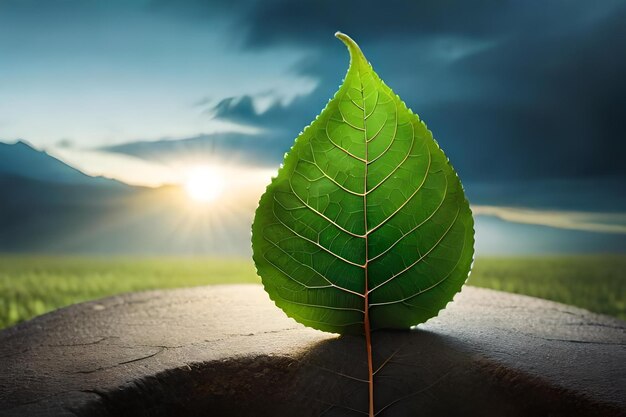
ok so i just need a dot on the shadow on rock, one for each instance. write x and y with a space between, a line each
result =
417 373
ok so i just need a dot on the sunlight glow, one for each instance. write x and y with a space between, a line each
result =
204 184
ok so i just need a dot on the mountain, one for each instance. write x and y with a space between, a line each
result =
47 206
22 160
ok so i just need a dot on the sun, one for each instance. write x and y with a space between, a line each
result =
204 184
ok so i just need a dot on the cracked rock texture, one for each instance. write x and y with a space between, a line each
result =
228 351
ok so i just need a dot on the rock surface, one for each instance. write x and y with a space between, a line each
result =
228 351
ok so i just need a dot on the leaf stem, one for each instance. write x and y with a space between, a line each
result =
368 346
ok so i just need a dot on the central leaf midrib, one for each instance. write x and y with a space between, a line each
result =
365 176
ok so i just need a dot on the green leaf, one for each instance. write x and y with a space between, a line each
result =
366 220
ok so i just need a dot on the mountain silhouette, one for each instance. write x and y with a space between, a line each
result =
47 206
23 160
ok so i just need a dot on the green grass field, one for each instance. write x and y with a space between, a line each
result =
597 283
30 286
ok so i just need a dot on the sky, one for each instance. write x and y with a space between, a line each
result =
527 98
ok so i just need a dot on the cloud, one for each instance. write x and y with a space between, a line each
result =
509 93
614 223
250 149
244 109
65 143
266 110
273 22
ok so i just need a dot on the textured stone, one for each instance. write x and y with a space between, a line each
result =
227 350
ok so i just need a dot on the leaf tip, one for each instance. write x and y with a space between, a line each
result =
350 43
353 47
341 35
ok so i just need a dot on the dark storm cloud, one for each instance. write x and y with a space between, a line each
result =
512 90
310 21
278 117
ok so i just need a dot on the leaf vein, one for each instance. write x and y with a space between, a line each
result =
417 226
421 257
407 200
317 244
306 205
309 287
